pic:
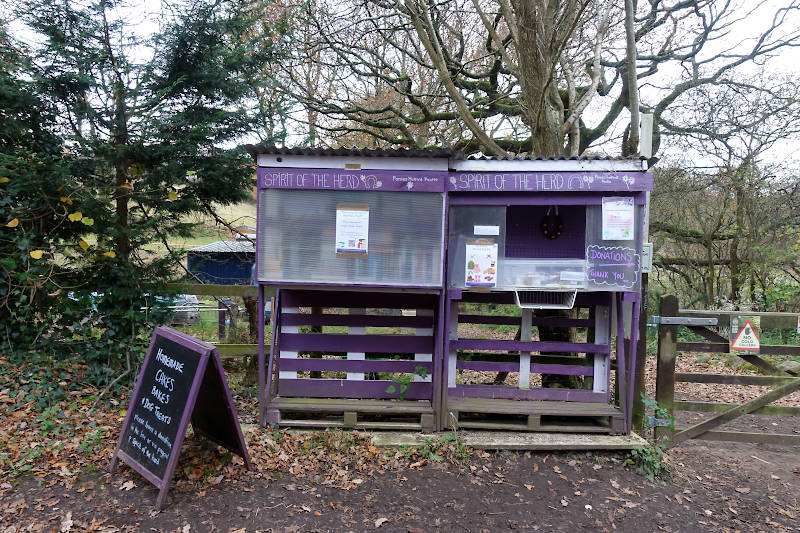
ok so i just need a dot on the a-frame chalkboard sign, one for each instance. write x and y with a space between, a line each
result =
181 381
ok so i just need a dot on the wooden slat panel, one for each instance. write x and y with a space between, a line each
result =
722 418
327 405
327 319
758 438
227 350
724 348
208 289
733 379
536 346
342 388
320 342
515 321
711 407
768 320
353 365
508 357
509 393
563 370
399 300
482 405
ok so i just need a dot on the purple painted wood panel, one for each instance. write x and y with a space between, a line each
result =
536 346
550 182
355 343
341 388
487 366
515 321
352 180
357 299
564 370
344 365
471 198
307 319
510 393
524 236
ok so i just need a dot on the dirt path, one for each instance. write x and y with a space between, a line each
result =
493 492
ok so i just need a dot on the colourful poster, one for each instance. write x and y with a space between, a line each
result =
352 229
618 218
481 264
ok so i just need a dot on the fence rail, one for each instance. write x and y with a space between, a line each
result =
218 291
784 383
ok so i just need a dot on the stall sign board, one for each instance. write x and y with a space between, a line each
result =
745 334
181 381
612 267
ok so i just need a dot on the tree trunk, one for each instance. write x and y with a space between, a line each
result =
120 140
539 51
736 263
632 147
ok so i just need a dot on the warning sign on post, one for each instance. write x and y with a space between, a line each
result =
745 334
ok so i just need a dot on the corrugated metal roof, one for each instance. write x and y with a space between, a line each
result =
231 247
356 152
422 152
561 158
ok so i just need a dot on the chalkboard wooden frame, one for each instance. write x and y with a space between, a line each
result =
206 353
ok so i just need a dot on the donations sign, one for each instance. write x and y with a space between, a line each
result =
181 381
612 266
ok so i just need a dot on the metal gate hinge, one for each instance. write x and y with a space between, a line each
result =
682 321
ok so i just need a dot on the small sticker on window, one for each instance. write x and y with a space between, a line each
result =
486 230
567 275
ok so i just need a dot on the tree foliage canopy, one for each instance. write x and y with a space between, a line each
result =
505 76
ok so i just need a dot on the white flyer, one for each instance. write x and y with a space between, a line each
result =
481 265
352 229
618 218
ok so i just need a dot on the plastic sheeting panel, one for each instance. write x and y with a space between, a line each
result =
297 238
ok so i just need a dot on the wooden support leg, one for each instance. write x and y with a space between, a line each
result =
452 356
273 416
452 420
350 419
525 357
427 422
356 356
286 354
534 422
424 357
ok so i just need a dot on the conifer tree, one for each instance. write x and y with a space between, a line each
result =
149 125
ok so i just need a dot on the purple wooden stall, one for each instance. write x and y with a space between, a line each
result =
563 241
403 276
355 242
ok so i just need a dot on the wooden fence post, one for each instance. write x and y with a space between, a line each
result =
665 370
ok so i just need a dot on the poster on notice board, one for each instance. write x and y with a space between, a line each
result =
352 230
481 263
618 218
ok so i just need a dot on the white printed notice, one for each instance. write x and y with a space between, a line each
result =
481 263
352 229
618 218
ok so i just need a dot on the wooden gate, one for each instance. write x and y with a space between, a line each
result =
670 347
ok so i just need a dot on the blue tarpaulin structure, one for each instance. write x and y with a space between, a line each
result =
223 262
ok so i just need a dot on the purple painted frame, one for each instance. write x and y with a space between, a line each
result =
550 181
352 180
205 351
